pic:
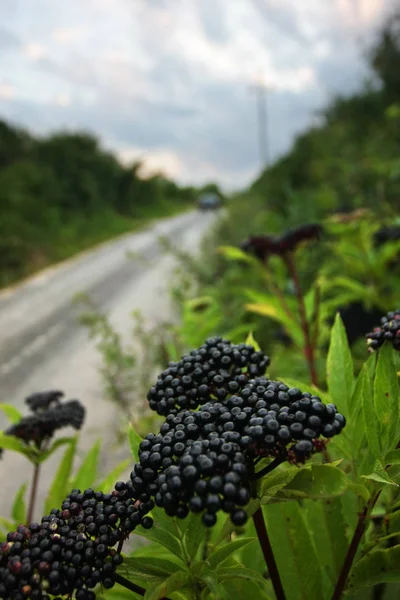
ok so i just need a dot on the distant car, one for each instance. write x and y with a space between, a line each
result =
209 202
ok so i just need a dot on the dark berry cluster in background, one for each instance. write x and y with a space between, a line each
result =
388 330
49 415
264 246
216 369
204 460
387 234
73 549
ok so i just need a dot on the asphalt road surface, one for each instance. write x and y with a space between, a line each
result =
43 346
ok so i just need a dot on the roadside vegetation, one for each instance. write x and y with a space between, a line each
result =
263 421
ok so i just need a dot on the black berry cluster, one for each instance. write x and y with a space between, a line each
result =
387 234
216 369
264 246
43 400
388 330
205 461
46 419
73 549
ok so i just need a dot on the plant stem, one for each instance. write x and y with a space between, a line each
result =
259 523
32 498
129 585
308 345
272 465
355 542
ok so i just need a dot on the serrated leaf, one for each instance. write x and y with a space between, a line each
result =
18 510
134 442
217 557
369 415
252 342
107 484
175 582
380 475
45 454
12 413
340 368
379 566
60 487
87 473
386 398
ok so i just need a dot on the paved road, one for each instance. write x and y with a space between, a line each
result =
42 346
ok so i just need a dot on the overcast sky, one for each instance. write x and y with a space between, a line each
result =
172 81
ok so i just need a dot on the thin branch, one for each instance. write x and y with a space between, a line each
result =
355 542
270 467
129 585
308 345
269 557
34 489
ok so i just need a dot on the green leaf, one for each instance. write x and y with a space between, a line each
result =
60 486
379 566
340 368
275 481
163 537
392 457
238 572
193 533
9 442
18 510
327 525
152 569
107 484
369 415
252 342
233 253
87 473
12 413
380 475
134 442
175 582
386 398
273 309
294 551
316 482
44 455
6 524
217 557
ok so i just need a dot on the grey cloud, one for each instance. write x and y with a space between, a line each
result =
8 40
213 20
279 18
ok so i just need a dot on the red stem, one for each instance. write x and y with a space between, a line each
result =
352 551
308 345
32 499
259 523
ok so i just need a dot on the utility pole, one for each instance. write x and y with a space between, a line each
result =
261 90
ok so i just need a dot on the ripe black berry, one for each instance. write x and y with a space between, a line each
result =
388 330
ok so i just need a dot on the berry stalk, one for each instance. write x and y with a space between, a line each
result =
129 585
308 344
34 489
352 551
262 534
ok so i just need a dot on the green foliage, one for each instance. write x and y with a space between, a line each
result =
64 193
